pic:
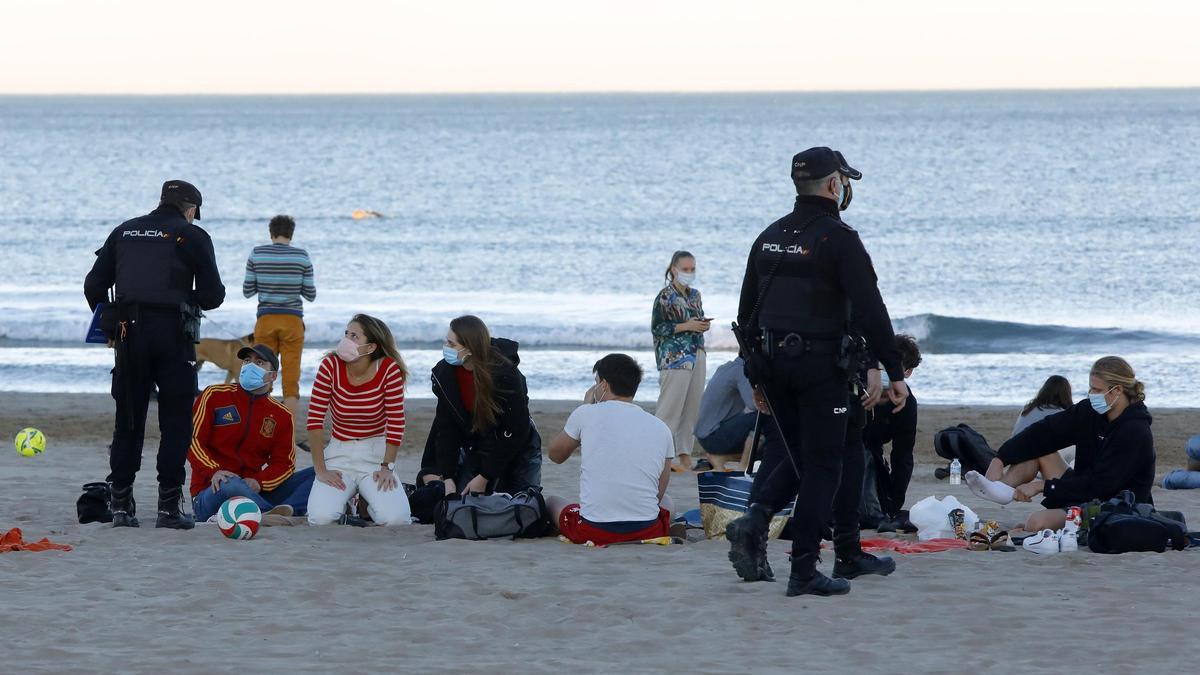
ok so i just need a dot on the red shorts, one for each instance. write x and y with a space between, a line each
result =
572 526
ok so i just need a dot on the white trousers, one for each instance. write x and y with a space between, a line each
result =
357 461
679 394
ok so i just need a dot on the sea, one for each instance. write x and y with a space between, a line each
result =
1016 234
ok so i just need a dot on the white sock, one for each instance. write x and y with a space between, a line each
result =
991 490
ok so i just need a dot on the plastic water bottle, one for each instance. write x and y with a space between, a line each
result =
956 472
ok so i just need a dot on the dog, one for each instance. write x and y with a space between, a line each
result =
223 354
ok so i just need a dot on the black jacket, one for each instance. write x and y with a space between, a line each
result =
157 259
1109 456
823 273
489 453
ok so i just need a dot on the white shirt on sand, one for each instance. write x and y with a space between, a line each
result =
622 450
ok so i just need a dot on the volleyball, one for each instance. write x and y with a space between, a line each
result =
238 518
30 442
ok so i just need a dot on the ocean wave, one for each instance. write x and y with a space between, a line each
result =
939 334
613 321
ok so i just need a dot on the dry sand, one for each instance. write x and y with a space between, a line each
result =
341 599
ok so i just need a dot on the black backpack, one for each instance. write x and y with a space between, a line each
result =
1124 526
966 445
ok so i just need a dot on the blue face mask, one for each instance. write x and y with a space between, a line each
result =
450 354
252 377
841 194
1099 403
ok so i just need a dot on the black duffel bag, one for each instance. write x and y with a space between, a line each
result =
494 516
93 505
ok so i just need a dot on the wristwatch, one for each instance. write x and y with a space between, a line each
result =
390 466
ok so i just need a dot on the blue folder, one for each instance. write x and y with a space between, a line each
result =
96 336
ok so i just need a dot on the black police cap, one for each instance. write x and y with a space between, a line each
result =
179 192
262 351
819 162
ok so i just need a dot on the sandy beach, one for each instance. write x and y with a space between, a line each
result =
341 599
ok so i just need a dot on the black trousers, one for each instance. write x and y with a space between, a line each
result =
848 498
810 399
155 353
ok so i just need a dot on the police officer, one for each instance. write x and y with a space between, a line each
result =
805 274
164 271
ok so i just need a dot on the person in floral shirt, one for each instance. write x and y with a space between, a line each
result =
678 324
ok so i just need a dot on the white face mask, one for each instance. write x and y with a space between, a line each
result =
686 278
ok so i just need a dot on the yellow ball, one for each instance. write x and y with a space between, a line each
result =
30 442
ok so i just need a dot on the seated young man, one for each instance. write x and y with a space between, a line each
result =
625 462
885 487
242 444
727 413
1189 478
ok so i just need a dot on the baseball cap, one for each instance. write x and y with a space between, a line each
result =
262 351
179 191
819 162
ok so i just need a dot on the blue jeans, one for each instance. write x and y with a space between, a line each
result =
729 438
293 492
1182 479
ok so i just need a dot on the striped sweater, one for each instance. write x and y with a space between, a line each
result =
374 408
280 274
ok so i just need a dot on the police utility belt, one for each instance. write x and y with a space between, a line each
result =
845 349
794 344
122 314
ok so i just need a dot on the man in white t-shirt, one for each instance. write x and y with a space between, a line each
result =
625 462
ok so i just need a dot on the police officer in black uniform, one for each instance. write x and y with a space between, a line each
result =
165 272
805 274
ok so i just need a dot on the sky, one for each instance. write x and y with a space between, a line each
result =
379 46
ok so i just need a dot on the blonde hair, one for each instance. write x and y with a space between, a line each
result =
1116 371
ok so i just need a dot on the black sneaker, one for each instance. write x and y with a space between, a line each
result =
861 565
817 584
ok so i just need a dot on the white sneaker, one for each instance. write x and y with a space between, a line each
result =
1068 538
1042 543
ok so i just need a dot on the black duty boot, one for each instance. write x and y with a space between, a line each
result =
748 544
851 561
169 512
805 579
853 566
123 508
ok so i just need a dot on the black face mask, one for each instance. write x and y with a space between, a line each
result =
847 195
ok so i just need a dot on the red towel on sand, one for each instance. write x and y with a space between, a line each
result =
12 541
901 546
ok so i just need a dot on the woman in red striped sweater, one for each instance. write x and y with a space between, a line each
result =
361 386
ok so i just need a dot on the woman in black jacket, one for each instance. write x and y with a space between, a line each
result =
482 436
1114 451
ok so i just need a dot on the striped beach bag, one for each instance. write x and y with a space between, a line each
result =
724 496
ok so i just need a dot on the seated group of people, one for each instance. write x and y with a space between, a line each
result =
482 438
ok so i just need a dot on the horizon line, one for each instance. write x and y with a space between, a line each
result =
599 92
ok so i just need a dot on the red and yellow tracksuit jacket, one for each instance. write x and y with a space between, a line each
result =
248 435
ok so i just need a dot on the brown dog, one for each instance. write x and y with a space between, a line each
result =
223 353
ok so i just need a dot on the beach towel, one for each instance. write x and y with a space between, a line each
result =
13 541
902 546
